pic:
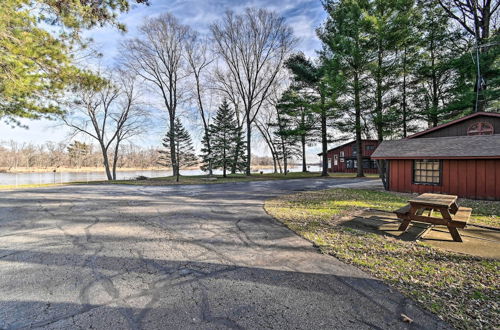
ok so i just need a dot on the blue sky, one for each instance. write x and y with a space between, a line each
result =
304 16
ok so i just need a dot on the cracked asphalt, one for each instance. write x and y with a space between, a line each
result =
190 257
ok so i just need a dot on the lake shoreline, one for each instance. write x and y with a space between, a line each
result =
7 170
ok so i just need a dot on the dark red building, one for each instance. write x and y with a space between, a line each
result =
461 158
344 158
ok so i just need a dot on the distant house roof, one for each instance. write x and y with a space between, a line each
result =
346 144
453 147
453 122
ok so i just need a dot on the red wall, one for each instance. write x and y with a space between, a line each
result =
470 178
348 149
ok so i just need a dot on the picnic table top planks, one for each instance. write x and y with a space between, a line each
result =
434 200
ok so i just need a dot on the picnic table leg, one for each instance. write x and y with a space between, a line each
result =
404 225
445 212
455 234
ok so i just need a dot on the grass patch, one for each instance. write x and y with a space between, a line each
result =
464 290
26 186
199 179
204 179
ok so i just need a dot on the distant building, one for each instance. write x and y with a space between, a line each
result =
461 157
343 159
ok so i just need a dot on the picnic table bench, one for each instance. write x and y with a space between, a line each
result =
452 216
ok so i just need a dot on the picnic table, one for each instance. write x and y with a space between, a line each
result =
452 216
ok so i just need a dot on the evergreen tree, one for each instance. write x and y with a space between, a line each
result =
407 55
438 79
227 148
184 151
348 45
35 58
322 79
294 110
287 140
388 18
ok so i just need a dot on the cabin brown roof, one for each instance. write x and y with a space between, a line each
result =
346 144
453 122
454 147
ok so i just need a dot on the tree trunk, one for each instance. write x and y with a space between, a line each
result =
274 162
357 107
404 105
379 120
285 165
224 164
304 162
435 100
105 161
249 149
324 138
173 155
237 152
115 157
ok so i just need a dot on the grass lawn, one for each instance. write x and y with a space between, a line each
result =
463 290
201 179
204 179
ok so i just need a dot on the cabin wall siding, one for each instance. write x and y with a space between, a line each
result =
469 178
348 151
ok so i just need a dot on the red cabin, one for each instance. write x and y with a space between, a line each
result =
461 158
343 158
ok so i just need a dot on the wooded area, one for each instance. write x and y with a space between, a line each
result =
386 68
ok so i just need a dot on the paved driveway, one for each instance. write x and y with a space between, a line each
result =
191 257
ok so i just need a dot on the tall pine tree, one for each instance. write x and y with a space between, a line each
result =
227 148
437 77
348 45
184 151
294 109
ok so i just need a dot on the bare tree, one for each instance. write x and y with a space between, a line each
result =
253 47
157 56
131 118
199 59
262 122
105 110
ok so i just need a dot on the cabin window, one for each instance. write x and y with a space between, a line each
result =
335 160
427 171
341 154
370 148
481 128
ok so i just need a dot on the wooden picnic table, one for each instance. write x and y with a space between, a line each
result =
452 216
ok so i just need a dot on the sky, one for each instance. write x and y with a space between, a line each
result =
303 16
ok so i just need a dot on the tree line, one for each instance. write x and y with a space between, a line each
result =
77 154
386 68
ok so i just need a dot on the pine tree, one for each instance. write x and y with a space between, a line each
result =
227 148
349 47
320 78
287 140
37 39
294 109
438 79
184 151
389 19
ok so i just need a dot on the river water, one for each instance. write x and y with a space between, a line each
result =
62 177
